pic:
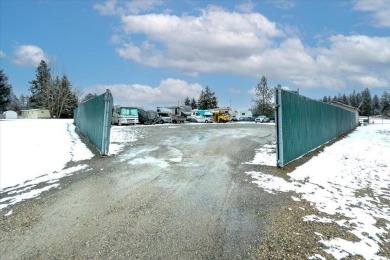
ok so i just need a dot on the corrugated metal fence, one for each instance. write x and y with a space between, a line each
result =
93 118
303 124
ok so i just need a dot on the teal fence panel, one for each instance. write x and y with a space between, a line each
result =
303 124
93 119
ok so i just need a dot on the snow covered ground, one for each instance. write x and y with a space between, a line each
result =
36 151
32 148
349 179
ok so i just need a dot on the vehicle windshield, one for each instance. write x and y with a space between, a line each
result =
127 111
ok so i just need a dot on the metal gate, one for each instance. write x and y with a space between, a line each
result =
303 124
93 118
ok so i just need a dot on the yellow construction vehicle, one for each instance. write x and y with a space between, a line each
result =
220 116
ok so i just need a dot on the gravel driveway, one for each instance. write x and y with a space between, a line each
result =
178 192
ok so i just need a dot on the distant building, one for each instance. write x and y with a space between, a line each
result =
36 113
10 115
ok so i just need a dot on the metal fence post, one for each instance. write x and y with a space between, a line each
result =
279 125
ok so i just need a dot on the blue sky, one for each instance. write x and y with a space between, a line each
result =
157 52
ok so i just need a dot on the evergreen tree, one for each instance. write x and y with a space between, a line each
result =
344 99
23 101
358 100
5 91
365 108
385 103
262 104
66 98
14 104
187 101
88 97
41 87
207 99
325 99
352 99
69 106
375 105
193 104
54 94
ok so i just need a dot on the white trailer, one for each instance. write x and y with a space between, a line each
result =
244 115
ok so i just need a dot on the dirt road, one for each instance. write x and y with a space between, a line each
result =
179 192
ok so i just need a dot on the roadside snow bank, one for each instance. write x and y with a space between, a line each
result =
34 152
35 147
351 179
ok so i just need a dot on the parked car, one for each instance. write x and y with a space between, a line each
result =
262 119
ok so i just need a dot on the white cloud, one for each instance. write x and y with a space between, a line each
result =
246 6
137 6
29 55
380 10
234 91
247 44
282 4
114 7
2 54
357 60
252 91
168 92
108 8
210 42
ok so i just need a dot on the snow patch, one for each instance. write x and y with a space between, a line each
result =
265 155
347 179
34 147
28 190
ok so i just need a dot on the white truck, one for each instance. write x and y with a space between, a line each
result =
124 115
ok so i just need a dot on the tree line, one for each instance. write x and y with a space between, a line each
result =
206 100
367 104
48 91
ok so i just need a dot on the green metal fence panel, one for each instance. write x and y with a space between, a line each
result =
93 118
303 124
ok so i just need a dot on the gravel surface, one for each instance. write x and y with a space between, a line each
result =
178 192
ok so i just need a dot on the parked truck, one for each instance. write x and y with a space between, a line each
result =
124 115
201 116
148 117
220 116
